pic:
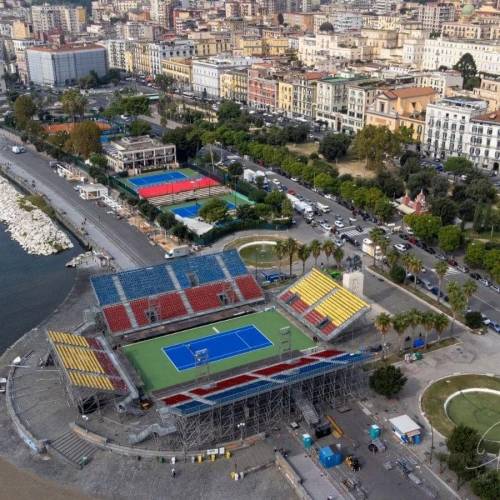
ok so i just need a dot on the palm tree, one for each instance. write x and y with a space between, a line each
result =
427 321
291 246
392 258
280 251
328 247
441 270
315 248
383 324
338 255
414 318
303 253
440 324
457 300
376 235
469 288
407 261
400 325
416 267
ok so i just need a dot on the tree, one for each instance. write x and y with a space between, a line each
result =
338 255
387 381
457 299
187 141
326 26
291 249
441 270
73 103
440 324
474 254
383 323
444 208
374 143
449 238
139 127
400 324
303 253
328 248
397 274
473 320
24 110
487 486
384 209
315 247
427 321
228 111
130 105
214 210
425 227
280 251
469 288
458 165
99 160
334 146
167 220
85 138
467 67
414 318
416 266
376 235
463 460
164 82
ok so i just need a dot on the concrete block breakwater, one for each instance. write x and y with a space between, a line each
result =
28 225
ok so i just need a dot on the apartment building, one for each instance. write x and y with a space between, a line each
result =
161 12
433 15
401 107
211 45
468 30
47 17
262 87
360 95
484 148
443 82
444 52
489 91
139 154
20 47
116 51
234 85
285 97
65 65
180 70
447 126
304 94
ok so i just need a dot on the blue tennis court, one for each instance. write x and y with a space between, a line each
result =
157 178
191 211
219 346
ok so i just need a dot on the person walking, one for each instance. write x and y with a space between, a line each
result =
173 472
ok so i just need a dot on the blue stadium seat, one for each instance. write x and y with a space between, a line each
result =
234 263
204 267
247 389
105 289
192 407
148 281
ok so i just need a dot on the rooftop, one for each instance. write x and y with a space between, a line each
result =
68 48
409 92
136 143
492 117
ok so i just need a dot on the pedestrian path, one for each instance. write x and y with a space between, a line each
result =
452 271
354 232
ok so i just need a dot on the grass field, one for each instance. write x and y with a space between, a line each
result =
478 410
158 372
435 396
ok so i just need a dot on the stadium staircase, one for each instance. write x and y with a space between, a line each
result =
125 302
227 274
307 409
72 449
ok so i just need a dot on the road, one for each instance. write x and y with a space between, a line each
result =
124 243
485 300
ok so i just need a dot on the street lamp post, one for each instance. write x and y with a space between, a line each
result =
241 427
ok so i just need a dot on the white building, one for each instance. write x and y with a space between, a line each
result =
413 52
116 50
206 72
360 96
444 52
447 126
484 147
441 81
48 17
160 12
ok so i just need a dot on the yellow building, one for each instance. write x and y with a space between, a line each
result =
21 30
285 97
489 91
234 85
275 46
205 47
180 70
403 107
249 45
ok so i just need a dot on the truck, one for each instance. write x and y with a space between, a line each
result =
18 149
181 251
371 249
323 208
300 206
251 176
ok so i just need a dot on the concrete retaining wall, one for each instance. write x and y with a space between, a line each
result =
293 478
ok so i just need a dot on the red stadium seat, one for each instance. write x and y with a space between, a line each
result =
203 298
117 318
159 308
299 305
249 287
314 317
177 187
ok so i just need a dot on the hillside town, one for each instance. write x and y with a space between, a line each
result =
250 249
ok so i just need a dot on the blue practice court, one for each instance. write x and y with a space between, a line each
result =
149 180
219 346
191 211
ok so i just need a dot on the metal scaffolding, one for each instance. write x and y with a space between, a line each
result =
264 411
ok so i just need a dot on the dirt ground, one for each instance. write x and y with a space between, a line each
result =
347 166
23 485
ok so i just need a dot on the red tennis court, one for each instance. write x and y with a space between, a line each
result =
177 187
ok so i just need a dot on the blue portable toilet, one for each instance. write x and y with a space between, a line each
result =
307 440
326 457
374 431
417 439
337 458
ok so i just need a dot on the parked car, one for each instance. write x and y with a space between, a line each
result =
294 179
431 250
339 224
400 247
328 196
359 229
427 284
475 276
325 226
407 246
495 287
452 262
484 282
463 269
352 219
441 256
494 326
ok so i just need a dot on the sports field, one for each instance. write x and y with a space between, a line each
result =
159 177
169 360
190 209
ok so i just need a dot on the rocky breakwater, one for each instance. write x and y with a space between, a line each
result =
34 230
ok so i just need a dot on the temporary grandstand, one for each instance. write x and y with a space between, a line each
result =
90 369
321 304
258 369
180 290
